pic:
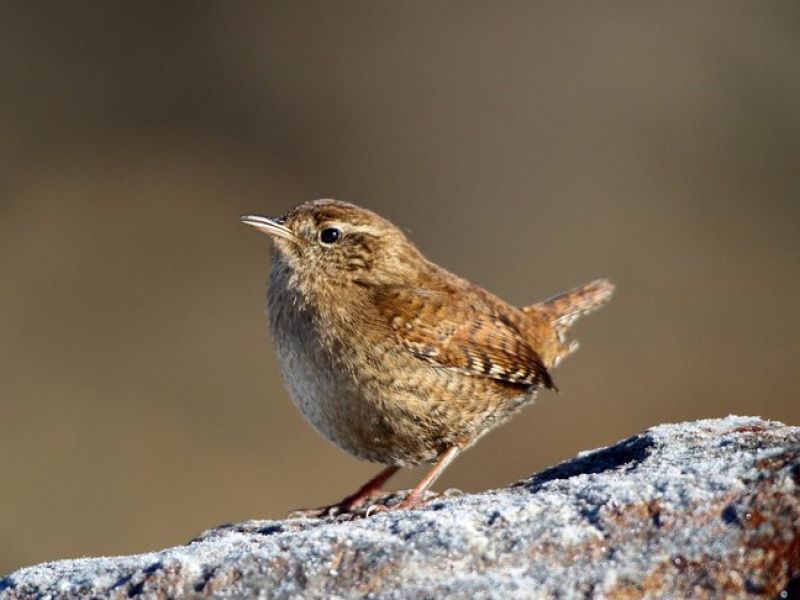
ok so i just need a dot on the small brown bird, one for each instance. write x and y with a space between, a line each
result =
390 356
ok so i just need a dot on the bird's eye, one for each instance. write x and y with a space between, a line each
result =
330 235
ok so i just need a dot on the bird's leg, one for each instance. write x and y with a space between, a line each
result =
368 490
415 496
353 501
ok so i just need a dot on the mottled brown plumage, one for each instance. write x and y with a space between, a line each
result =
390 356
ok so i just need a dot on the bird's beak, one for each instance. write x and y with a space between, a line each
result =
273 227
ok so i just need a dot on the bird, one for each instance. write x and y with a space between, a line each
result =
390 356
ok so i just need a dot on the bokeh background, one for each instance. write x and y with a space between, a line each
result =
529 146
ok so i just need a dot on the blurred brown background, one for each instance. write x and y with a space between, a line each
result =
527 146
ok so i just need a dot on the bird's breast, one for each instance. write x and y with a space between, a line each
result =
371 397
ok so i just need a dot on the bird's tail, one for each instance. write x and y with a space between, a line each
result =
564 309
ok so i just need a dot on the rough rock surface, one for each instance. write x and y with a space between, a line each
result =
703 509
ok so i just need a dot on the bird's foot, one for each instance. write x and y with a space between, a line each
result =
411 501
350 506
374 503
313 513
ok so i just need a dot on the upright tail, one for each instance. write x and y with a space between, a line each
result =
564 309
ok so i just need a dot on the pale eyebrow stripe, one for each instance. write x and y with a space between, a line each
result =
349 227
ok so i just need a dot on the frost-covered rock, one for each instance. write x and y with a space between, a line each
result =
709 509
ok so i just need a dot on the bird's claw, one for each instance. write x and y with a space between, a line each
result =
348 510
312 513
375 509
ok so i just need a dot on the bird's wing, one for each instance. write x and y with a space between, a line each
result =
466 334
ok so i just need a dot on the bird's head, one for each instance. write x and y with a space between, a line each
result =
328 243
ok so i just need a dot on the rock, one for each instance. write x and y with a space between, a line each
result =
703 509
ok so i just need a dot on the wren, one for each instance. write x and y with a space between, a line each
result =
393 358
